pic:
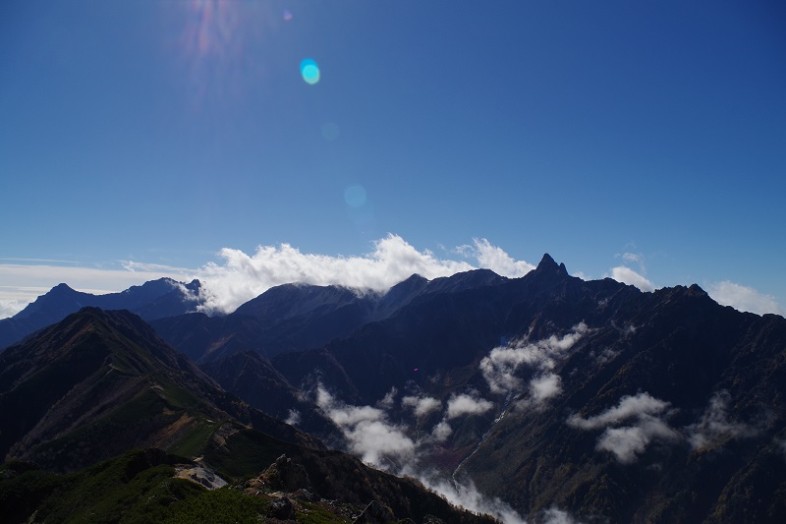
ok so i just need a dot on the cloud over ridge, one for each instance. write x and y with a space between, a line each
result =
743 298
242 277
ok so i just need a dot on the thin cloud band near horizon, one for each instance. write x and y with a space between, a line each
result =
240 276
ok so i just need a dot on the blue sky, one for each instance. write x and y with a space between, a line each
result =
146 134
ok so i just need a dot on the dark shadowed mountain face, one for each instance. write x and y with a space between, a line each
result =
253 378
99 383
549 391
297 317
155 299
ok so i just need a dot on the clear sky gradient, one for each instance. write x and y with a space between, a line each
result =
160 132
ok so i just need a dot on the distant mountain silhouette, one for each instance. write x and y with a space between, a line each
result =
154 299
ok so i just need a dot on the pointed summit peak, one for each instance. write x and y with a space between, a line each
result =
61 288
547 262
548 265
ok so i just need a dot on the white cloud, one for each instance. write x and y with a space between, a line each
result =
421 406
715 427
628 407
368 433
500 366
497 260
626 443
389 399
544 387
558 516
464 404
240 277
467 496
626 275
293 417
441 431
378 442
743 298
382 444
15 300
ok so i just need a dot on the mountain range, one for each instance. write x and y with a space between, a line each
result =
152 300
545 397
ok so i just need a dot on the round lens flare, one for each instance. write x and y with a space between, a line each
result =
309 70
355 196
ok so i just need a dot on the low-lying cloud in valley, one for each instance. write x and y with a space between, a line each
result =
371 435
644 415
716 426
421 406
500 368
467 404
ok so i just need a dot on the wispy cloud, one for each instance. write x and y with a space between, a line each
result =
421 406
371 436
501 365
467 404
628 276
743 298
496 259
716 427
466 495
628 407
642 412
369 433
633 258
628 442
558 516
632 277
544 387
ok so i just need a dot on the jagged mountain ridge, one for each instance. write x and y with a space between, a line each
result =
294 317
154 299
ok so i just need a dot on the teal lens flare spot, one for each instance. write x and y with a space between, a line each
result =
309 70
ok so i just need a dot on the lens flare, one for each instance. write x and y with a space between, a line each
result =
355 196
309 70
330 131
